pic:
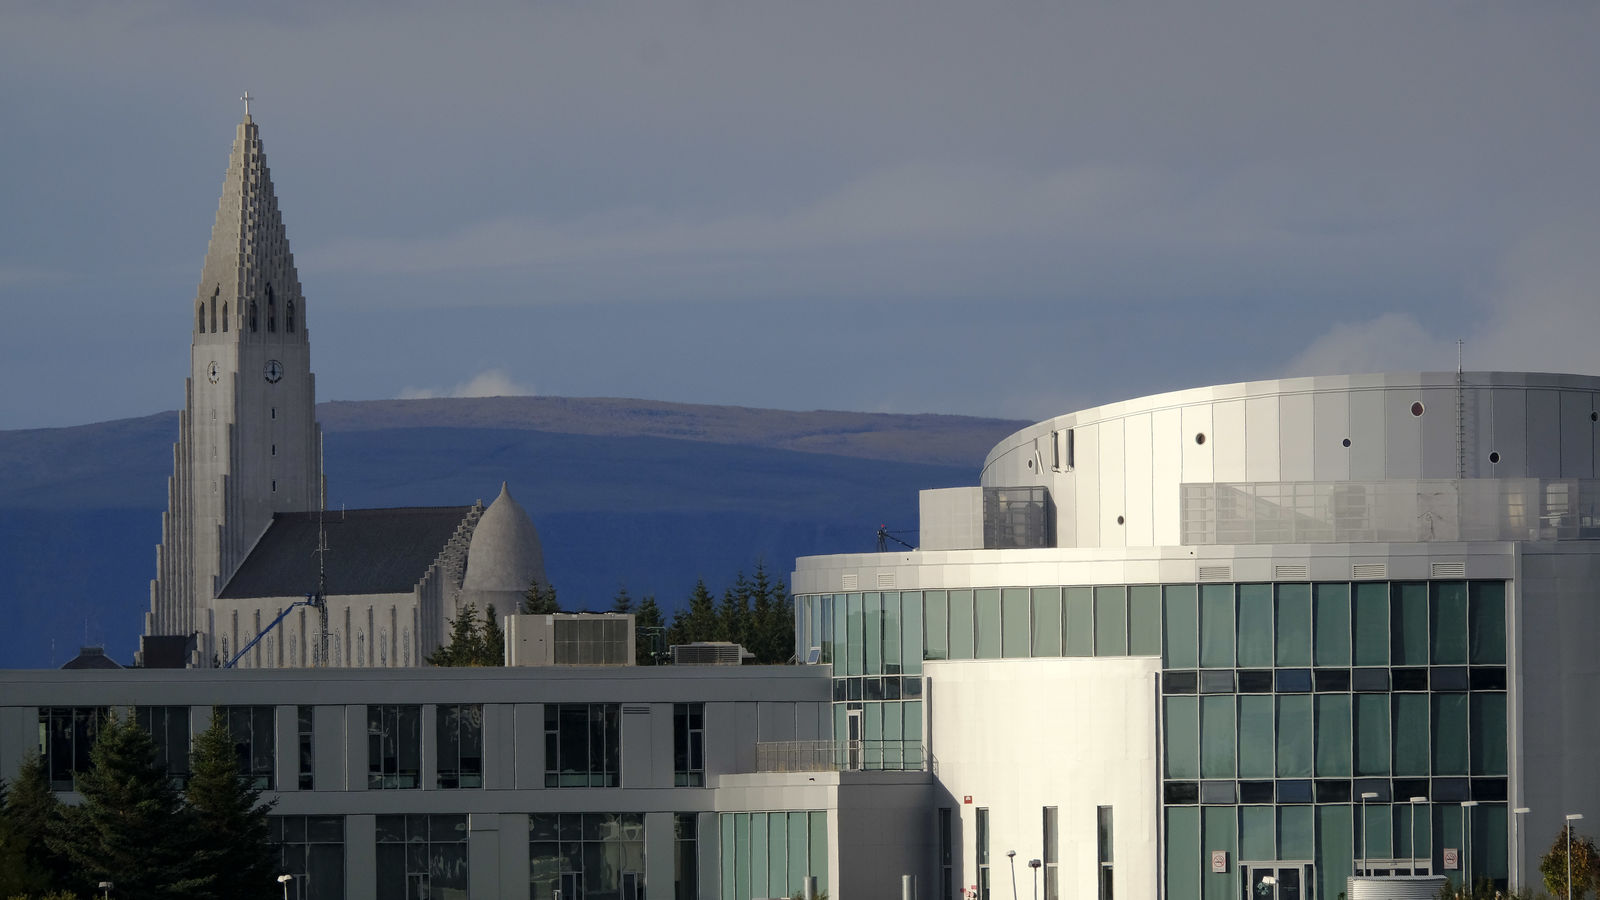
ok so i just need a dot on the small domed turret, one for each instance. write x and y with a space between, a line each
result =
504 557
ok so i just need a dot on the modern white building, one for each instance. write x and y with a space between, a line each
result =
1261 635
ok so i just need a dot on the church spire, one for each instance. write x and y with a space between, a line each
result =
249 288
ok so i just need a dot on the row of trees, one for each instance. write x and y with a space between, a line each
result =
135 828
755 612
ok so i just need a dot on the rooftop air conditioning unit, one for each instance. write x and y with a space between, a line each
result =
710 653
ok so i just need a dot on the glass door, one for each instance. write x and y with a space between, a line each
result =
1276 880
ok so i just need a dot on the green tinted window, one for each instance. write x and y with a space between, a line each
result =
1410 730
1331 604
1334 850
855 660
1372 734
1294 832
911 632
1489 842
1408 624
987 603
1218 827
1378 831
1371 626
1014 616
1255 625
1216 736
1293 623
1110 621
872 618
1294 736
936 623
1488 734
960 624
1183 851
1181 626
1333 735
1216 625
1255 737
1450 734
1046 621
1183 737
891 633
1488 620
1449 623
1258 832
1144 620
1079 626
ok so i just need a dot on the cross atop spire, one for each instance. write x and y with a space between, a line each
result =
246 98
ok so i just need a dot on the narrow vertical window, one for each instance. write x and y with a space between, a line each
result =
1052 855
947 859
307 757
272 310
394 747
459 732
685 862
981 839
253 328
213 313
688 744
1103 839
288 317
224 317
200 319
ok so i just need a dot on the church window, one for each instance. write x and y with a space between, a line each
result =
272 310
224 318
274 449
200 319
288 317
214 311
252 316
274 485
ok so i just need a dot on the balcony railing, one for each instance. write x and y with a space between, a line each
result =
839 756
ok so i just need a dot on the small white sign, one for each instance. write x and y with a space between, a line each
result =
1219 862
1452 858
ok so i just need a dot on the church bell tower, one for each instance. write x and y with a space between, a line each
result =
248 442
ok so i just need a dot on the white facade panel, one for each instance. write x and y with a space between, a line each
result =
1262 439
1296 438
1140 482
1577 435
1166 464
1510 433
1112 496
1333 443
1086 516
1368 434
1196 442
1230 447
1544 417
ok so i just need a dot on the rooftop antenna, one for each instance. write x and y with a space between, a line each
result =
321 600
1461 411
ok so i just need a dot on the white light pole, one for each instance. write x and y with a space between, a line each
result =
1012 855
1520 812
1369 795
1571 817
1034 864
105 888
1414 802
1466 867
284 880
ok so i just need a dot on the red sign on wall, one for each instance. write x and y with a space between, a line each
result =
1219 861
967 799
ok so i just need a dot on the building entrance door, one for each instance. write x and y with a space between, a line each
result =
1276 880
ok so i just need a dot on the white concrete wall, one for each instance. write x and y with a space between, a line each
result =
1020 735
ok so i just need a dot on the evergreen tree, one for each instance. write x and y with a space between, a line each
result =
772 619
27 865
234 849
540 600
733 617
648 631
465 638
132 827
623 601
698 621
492 643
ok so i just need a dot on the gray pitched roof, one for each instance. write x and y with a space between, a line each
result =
370 551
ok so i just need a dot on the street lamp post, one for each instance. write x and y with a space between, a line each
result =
1414 802
1520 812
1466 867
1571 817
105 888
284 880
1034 864
1012 855
1368 795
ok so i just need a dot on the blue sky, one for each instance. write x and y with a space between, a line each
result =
1009 209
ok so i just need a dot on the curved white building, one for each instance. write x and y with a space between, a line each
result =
1291 629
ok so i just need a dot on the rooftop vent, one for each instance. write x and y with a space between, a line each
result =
710 653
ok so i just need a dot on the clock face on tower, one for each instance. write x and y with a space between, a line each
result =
213 372
274 371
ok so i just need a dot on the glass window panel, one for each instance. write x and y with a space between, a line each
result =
1078 628
777 855
1378 836
1489 841
1183 737
1144 620
1216 735
872 632
1331 604
1449 734
1110 621
1488 734
729 850
1046 621
1181 624
1183 851
1255 625
911 632
1295 832
1372 734
1292 622
1219 824
1488 621
1449 623
798 832
1258 832
891 634
1410 729
960 624
1014 621
936 624
1216 625
856 648
1335 854
1333 734
758 853
1408 624
1371 624
1294 736
819 846
1255 737
987 603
